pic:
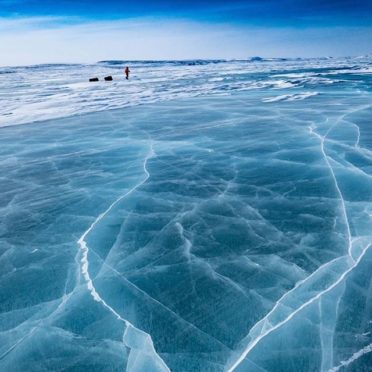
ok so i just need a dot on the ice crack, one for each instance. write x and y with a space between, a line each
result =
353 358
343 206
271 329
133 337
252 344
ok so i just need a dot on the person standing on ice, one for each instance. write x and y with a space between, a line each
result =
126 72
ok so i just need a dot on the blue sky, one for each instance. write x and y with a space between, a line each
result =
255 12
35 31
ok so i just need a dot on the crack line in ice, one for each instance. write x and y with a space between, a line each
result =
165 307
64 299
331 351
321 336
85 262
152 263
189 255
298 284
343 206
252 344
11 348
353 358
290 316
327 352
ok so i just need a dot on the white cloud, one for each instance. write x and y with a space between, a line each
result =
54 39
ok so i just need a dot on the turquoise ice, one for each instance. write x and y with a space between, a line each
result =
228 231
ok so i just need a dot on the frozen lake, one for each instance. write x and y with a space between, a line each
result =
218 219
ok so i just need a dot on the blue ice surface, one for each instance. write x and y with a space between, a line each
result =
214 233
